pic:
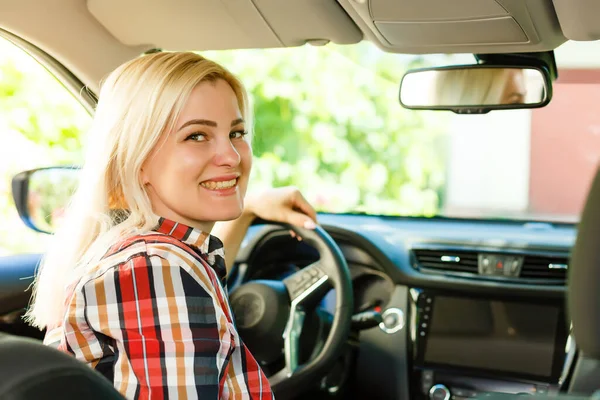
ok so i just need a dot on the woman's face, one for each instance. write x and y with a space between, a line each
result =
515 89
198 173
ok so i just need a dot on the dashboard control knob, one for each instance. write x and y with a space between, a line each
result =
393 320
439 392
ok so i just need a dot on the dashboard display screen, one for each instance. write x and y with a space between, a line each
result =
514 337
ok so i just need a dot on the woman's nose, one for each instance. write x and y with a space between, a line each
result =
226 154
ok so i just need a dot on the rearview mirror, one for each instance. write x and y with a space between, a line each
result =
475 89
41 195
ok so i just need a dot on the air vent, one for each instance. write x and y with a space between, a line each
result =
545 267
447 260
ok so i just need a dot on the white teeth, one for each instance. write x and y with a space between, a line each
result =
212 185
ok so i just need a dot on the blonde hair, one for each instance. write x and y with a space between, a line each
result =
138 102
470 87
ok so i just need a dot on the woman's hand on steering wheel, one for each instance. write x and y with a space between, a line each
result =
283 205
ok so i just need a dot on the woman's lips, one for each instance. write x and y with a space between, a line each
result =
221 186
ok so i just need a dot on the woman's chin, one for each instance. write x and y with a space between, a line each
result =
227 215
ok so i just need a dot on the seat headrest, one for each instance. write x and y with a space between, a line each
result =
30 370
584 276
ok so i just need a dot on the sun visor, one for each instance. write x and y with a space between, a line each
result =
224 24
502 30
579 18
459 26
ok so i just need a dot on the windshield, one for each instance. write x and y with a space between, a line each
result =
328 120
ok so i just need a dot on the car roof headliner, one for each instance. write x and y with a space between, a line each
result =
92 37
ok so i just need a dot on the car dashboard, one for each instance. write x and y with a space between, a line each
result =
468 306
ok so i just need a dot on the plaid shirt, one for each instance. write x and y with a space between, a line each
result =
153 317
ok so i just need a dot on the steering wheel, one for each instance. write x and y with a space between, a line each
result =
270 315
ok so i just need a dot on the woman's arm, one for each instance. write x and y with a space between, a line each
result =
279 205
163 325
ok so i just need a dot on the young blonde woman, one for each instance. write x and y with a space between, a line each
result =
134 283
480 86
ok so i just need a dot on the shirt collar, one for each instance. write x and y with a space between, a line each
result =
188 235
209 247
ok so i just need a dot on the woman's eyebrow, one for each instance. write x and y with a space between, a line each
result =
237 121
208 122
198 122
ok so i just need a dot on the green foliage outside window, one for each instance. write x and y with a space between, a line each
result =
327 121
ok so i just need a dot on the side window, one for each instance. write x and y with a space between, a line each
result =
41 124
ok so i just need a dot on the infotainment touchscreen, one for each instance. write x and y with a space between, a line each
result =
514 337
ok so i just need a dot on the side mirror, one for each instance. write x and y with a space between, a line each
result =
476 89
41 195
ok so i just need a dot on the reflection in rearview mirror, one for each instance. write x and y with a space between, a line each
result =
472 87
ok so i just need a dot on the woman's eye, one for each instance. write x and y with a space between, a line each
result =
237 134
197 137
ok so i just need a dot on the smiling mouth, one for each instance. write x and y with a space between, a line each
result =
221 185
